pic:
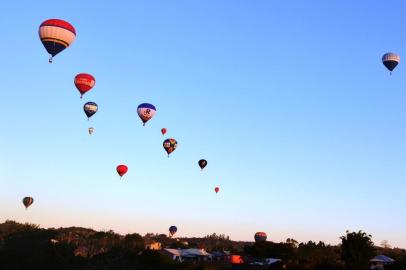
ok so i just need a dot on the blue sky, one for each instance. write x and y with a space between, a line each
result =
301 124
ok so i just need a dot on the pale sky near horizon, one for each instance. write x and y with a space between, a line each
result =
302 126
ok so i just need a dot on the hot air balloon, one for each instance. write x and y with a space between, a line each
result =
172 230
121 170
170 145
202 163
260 237
390 60
27 201
56 35
91 130
90 108
163 131
216 189
84 82
146 111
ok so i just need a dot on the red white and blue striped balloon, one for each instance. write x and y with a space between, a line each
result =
146 111
56 35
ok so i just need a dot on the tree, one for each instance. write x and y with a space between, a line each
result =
313 254
134 242
357 249
385 244
283 251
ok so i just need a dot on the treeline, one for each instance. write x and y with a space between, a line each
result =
26 246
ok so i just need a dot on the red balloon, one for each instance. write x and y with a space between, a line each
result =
121 170
84 82
216 189
163 131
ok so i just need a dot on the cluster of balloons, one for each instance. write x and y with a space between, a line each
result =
56 35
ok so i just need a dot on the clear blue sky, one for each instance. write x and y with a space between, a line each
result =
302 126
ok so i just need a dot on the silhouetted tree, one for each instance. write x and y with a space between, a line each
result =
134 242
282 251
357 249
33 249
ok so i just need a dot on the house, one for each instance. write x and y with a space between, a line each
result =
267 261
174 254
154 246
190 254
220 256
379 262
197 255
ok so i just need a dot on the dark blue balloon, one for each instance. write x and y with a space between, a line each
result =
90 109
172 230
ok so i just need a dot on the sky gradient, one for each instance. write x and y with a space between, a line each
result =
302 126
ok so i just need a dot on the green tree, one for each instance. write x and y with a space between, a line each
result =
134 242
357 249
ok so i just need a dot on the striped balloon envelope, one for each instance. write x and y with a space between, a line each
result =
84 82
260 237
27 201
390 61
146 111
56 35
90 109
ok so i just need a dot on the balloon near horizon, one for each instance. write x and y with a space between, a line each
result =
28 201
260 237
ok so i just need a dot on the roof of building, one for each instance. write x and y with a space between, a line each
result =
382 258
190 252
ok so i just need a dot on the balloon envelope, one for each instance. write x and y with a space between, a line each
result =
163 131
56 35
170 145
121 170
172 230
146 111
27 201
216 189
390 60
84 82
90 108
260 237
202 163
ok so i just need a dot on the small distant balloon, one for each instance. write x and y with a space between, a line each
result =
202 163
27 201
163 131
170 145
90 109
56 35
172 230
146 111
260 237
216 189
91 130
390 60
121 170
84 82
